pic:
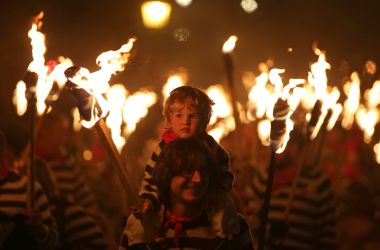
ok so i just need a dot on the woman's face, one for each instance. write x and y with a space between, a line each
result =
190 186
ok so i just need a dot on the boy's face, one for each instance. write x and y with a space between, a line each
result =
185 121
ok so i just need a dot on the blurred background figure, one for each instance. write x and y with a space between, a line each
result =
20 227
56 145
306 222
77 229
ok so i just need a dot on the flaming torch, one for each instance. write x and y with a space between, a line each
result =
281 126
87 88
35 90
228 47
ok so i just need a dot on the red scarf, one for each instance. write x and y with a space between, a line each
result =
178 222
168 136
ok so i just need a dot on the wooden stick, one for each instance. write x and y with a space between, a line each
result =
300 166
268 193
37 126
123 174
229 67
31 170
119 168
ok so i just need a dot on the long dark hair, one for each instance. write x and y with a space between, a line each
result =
182 156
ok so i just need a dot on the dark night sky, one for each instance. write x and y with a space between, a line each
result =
348 30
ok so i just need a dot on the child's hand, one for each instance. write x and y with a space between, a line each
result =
144 210
147 207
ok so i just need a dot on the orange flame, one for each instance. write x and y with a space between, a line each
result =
376 149
116 96
136 107
329 101
46 78
263 130
351 104
293 100
221 120
229 45
97 83
259 96
174 81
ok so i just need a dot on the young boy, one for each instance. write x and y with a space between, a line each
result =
187 112
187 175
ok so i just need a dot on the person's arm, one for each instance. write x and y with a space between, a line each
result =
223 158
148 190
42 223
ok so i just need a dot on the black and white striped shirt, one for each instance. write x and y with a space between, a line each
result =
311 219
13 203
198 234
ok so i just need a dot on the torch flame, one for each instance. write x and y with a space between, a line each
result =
351 104
96 83
376 149
174 81
263 129
47 76
329 101
116 96
136 107
19 99
367 116
222 121
366 120
259 96
291 99
229 45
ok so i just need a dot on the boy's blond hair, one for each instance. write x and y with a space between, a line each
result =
194 98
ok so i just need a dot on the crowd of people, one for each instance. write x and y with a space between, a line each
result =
196 193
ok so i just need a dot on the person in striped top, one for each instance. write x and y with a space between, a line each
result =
52 147
76 228
187 176
306 222
20 227
187 111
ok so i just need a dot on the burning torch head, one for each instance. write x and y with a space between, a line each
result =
30 78
315 113
83 98
278 125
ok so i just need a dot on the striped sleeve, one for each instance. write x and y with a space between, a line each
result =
148 189
13 200
325 212
81 230
71 184
49 240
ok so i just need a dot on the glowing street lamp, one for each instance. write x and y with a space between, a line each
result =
155 14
